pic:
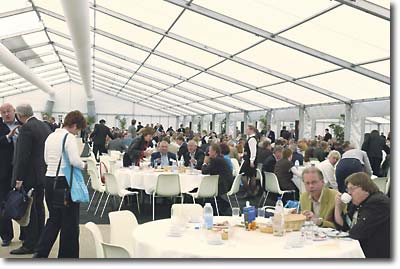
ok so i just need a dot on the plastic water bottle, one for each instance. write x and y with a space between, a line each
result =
278 221
208 215
174 166
155 164
297 164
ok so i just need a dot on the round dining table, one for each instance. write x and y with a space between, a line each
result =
152 240
146 179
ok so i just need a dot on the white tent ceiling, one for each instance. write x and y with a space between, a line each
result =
203 57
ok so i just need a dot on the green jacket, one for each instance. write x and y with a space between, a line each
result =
327 209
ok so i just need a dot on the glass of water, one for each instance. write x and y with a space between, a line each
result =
236 214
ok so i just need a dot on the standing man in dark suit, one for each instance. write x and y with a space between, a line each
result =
270 134
327 136
30 170
183 149
8 136
99 134
285 133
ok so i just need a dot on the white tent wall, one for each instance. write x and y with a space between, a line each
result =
71 96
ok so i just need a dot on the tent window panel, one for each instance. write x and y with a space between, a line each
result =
213 33
157 13
191 108
126 30
34 38
285 60
245 74
115 60
54 6
221 84
188 53
382 3
141 87
346 33
217 104
120 48
40 50
184 93
60 40
159 75
300 94
262 99
238 103
149 81
112 68
205 108
55 24
382 67
18 23
271 15
171 66
360 87
200 90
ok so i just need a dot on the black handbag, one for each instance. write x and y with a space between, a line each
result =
86 150
61 196
15 205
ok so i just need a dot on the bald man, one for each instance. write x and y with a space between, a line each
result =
8 136
194 156
163 157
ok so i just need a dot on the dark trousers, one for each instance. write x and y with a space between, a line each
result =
32 232
376 166
345 168
99 149
63 220
6 228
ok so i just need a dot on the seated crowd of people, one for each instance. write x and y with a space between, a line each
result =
32 152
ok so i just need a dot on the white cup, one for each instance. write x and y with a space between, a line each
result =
346 198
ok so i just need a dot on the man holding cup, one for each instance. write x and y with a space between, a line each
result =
318 202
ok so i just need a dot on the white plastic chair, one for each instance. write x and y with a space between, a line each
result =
235 189
122 225
208 189
188 211
106 160
272 185
115 252
113 189
97 237
167 186
97 186
382 183
236 166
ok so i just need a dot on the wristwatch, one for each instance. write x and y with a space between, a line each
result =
320 221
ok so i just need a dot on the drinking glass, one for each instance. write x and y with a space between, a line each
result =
261 212
236 214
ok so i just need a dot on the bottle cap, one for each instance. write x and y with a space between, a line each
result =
247 203
279 198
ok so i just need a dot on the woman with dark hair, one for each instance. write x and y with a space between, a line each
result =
284 170
63 212
368 216
225 152
138 148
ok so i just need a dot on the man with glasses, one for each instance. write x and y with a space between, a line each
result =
318 202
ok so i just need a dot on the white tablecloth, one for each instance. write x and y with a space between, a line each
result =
147 179
151 241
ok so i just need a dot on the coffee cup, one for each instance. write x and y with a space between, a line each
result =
346 198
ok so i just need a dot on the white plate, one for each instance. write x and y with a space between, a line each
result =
174 234
215 242
337 234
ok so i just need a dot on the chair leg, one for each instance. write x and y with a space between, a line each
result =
98 203
88 181
120 204
194 201
237 202
261 198
265 199
153 204
102 212
229 200
137 201
91 200
216 205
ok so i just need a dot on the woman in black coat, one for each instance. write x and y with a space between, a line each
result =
368 216
137 149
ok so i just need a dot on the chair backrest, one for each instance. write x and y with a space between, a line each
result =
236 184
381 182
114 252
188 211
98 238
258 174
122 225
168 185
106 160
208 187
114 154
91 164
111 184
236 166
388 182
272 183
95 181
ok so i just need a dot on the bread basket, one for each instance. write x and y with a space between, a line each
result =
294 222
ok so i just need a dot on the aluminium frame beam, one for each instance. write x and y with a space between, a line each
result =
368 7
278 39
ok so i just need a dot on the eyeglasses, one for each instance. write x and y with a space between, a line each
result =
351 189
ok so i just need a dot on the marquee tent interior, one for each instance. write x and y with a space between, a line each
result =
199 62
